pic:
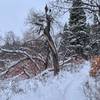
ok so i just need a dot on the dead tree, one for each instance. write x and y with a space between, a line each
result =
51 42
47 58
36 21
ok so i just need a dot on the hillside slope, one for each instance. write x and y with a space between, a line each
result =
65 86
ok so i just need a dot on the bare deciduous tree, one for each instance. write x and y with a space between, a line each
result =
42 23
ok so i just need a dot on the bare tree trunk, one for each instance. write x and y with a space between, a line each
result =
47 59
51 43
55 62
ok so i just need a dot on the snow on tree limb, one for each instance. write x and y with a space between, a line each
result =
25 53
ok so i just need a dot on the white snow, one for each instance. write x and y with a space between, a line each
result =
65 86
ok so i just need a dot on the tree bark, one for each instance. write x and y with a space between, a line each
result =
51 44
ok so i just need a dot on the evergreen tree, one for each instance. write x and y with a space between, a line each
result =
77 22
95 37
77 19
64 43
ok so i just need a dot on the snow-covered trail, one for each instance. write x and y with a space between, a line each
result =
75 90
66 86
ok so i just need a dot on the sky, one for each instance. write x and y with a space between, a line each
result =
13 14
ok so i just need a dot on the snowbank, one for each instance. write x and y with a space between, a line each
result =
65 86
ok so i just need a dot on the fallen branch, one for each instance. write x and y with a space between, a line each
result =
25 53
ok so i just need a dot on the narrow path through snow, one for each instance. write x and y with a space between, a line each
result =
75 90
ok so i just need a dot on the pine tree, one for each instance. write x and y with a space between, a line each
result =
64 36
77 19
64 43
95 37
77 23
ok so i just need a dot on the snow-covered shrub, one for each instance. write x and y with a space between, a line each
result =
73 68
73 64
47 87
92 88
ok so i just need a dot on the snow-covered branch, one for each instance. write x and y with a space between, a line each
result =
26 54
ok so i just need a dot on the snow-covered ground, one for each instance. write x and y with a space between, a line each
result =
65 86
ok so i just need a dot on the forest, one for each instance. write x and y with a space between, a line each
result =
58 56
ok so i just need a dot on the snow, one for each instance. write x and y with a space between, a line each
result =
65 86
75 90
